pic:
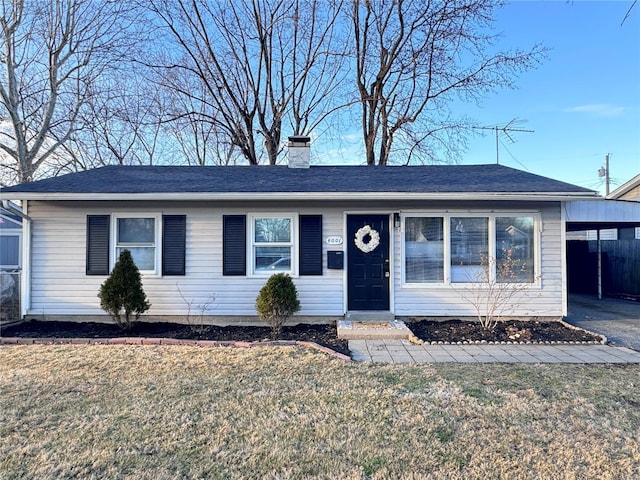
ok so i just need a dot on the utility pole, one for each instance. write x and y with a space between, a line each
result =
604 172
505 129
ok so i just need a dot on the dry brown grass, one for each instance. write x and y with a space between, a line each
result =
182 412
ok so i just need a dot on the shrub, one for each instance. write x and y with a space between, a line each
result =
496 290
277 301
196 312
121 295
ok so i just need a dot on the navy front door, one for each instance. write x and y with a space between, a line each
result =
368 262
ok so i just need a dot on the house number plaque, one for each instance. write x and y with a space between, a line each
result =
335 240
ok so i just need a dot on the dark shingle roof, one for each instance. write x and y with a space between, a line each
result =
317 179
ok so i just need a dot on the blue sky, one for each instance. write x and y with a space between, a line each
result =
583 101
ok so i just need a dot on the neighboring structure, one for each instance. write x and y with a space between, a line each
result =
10 237
10 261
629 191
403 240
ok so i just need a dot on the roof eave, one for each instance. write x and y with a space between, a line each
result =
283 196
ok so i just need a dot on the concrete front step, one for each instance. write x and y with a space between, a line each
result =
369 316
372 330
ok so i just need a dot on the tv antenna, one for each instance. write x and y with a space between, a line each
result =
506 129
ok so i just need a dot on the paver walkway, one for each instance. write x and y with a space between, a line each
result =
403 351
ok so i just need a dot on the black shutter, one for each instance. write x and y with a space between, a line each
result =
98 244
174 238
310 244
234 240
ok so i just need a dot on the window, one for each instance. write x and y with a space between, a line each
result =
138 235
514 249
452 249
10 250
424 253
469 248
272 244
107 236
10 242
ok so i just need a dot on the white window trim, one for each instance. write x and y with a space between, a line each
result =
157 243
293 244
491 215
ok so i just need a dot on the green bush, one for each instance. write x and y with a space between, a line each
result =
277 301
121 295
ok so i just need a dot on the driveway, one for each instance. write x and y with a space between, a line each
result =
618 320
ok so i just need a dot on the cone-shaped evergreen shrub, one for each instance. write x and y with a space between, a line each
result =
121 295
277 301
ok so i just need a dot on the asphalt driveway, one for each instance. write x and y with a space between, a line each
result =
618 320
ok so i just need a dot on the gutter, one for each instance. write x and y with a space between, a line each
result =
6 205
181 196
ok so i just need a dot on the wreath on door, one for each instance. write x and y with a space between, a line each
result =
374 239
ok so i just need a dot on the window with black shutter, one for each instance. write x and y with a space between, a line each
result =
98 244
234 252
310 244
174 236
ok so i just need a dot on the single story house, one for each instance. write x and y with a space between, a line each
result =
405 240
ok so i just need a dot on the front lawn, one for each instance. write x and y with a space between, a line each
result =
286 412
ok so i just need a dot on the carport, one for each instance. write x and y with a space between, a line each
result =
599 215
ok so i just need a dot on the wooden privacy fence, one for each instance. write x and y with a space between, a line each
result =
620 267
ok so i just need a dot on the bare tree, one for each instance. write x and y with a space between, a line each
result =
122 124
52 53
261 63
412 58
188 122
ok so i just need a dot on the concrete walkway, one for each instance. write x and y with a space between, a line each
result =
403 351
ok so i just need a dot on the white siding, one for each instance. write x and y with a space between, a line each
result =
544 300
60 286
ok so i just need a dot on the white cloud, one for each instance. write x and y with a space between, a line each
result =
598 109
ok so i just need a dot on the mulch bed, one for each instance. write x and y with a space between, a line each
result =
324 335
450 331
507 331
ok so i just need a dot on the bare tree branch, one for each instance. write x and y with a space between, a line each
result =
413 57
262 65
52 54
